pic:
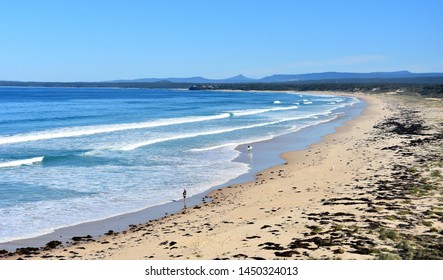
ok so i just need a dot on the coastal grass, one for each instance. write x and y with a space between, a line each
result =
436 173
388 256
386 233
427 223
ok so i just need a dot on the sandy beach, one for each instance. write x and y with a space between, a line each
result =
371 190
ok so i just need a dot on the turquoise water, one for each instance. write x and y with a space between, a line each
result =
69 156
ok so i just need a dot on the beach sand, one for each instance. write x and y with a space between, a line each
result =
371 190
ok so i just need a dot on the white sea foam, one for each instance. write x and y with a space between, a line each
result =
268 137
21 162
296 128
328 99
191 135
212 132
260 111
231 145
90 130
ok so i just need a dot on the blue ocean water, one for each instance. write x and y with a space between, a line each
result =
72 155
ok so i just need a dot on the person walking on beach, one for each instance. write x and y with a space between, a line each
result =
249 148
184 198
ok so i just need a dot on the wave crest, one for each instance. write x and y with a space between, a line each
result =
21 162
261 111
90 130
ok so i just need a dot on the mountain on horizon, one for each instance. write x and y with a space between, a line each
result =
281 78
345 75
239 79
197 80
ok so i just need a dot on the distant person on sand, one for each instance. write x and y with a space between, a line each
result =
184 198
249 148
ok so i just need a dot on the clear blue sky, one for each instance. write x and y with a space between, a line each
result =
105 40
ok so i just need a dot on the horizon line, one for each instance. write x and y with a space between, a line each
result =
220 79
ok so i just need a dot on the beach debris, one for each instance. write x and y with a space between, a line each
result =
82 238
110 232
52 244
240 256
271 246
27 251
286 253
253 237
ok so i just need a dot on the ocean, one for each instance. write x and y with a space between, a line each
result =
74 155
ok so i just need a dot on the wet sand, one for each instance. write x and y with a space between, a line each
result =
373 189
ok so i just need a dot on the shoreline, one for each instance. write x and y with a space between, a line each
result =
267 155
327 201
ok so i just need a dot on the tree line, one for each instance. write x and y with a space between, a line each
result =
429 87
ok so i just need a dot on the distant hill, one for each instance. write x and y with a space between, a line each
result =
239 79
344 75
282 78
404 82
155 80
193 80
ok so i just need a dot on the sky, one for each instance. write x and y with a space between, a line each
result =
98 40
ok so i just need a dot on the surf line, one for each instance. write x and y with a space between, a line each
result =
90 130
77 131
21 162
191 135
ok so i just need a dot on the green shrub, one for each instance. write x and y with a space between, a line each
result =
427 223
388 256
316 229
388 234
404 212
406 250
338 227
436 173
339 251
